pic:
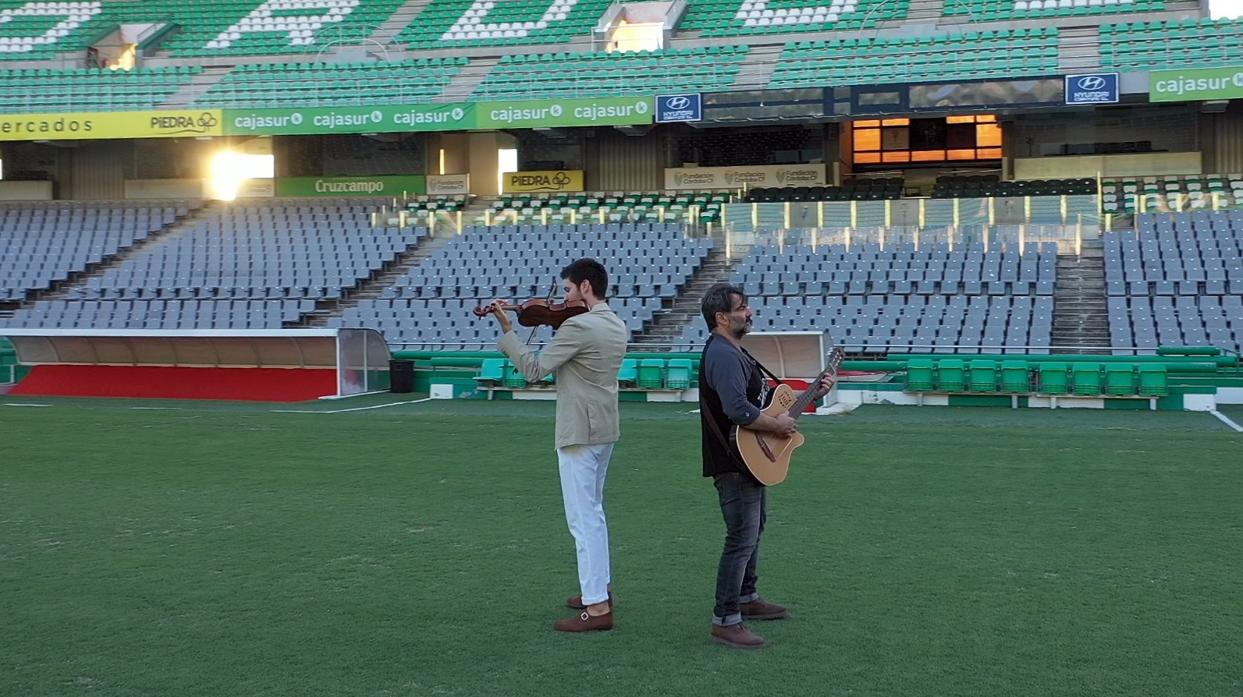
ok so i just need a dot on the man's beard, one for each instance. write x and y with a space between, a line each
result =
742 330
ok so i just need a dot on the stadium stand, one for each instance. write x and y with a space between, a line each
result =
252 265
760 17
430 304
242 28
616 207
913 59
471 24
1013 10
607 74
1177 279
1171 44
871 299
53 89
1171 193
36 31
36 252
982 186
332 84
857 189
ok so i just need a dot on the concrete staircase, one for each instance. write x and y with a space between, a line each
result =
758 69
399 20
667 326
1079 50
198 86
67 290
1080 313
467 80
927 11
373 287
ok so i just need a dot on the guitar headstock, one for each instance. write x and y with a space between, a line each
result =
833 359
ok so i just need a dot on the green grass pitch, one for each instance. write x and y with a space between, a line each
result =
227 549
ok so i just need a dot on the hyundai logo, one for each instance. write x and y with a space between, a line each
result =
677 103
1091 83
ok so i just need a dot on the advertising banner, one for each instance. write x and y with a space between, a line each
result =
351 186
448 184
361 119
538 182
1096 88
767 176
1195 84
679 108
107 125
555 113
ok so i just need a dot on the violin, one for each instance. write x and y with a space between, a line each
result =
538 312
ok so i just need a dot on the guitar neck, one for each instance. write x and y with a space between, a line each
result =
807 396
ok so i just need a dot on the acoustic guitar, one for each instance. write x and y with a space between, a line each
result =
767 455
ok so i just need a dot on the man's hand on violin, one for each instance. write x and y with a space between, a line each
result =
497 306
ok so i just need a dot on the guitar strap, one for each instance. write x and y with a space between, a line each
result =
703 407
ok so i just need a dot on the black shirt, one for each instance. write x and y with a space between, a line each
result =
731 390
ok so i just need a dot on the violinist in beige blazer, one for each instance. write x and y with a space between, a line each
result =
584 356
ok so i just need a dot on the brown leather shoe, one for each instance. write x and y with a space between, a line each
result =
576 602
584 622
737 636
761 609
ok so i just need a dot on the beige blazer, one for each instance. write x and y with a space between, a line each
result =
585 355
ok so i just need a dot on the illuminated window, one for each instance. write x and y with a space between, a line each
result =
950 139
987 135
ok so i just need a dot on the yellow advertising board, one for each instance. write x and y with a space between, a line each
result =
550 181
105 125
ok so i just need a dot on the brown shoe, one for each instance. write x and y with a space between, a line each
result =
584 622
761 609
576 602
737 636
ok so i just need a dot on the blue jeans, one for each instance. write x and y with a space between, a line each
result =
743 505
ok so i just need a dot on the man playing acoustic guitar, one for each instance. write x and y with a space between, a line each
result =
731 391
585 355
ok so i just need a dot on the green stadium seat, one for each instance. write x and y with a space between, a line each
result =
944 56
628 375
492 372
983 375
513 378
1147 45
1054 378
90 89
1085 379
678 375
1153 380
1120 379
331 84
651 373
1015 377
919 375
950 375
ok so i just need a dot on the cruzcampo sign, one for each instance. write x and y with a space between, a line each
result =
377 119
351 186
555 113
1195 84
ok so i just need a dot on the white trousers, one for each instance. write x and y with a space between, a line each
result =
583 468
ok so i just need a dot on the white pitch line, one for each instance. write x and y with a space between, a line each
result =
157 408
1226 420
27 405
342 411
